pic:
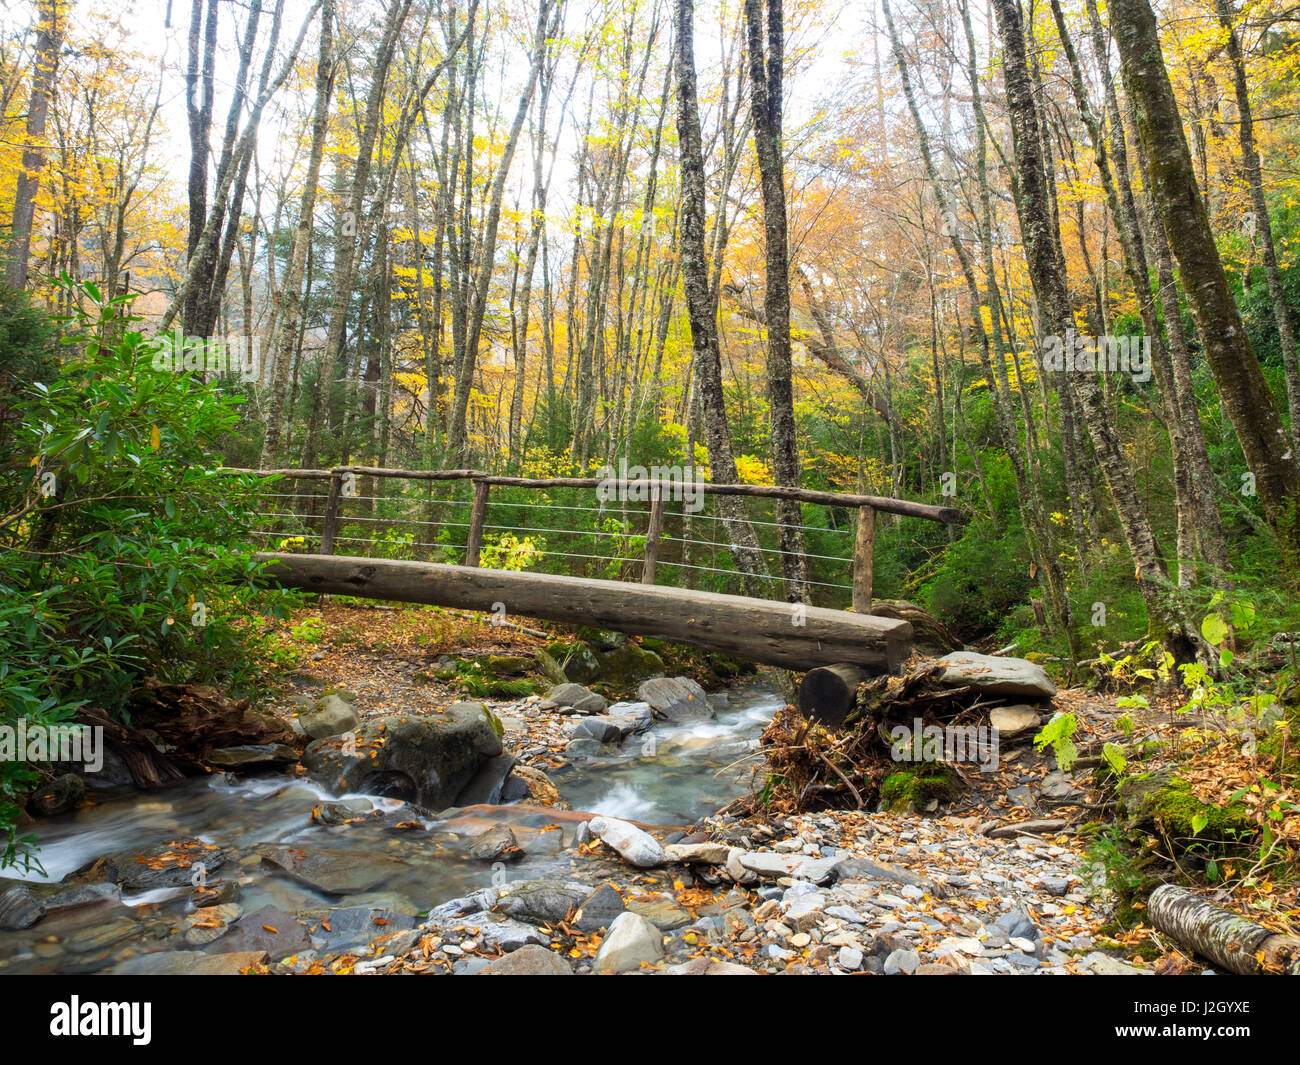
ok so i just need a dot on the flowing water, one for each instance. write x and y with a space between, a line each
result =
672 775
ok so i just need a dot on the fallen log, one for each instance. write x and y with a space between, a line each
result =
1227 939
828 693
779 634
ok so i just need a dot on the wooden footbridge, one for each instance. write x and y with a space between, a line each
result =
793 635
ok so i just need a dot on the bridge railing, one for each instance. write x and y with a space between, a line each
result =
642 525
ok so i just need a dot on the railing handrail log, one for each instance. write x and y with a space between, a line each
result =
905 507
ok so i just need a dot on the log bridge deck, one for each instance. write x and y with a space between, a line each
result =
775 633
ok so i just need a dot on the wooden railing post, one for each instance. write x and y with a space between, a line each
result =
330 526
475 542
653 534
864 558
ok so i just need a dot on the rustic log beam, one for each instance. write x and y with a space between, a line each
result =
474 543
864 559
828 693
652 537
906 507
780 634
1227 939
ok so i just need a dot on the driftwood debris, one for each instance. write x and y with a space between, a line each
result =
194 719
1230 941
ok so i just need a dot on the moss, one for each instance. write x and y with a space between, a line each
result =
916 787
1164 800
342 693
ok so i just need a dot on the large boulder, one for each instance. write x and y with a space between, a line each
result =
330 715
676 699
425 760
996 676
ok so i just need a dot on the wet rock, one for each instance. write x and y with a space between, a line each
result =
97 937
584 748
676 699
623 668
631 941
540 901
169 865
18 909
253 756
426 760
208 923
62 794
528 961
600 729
996 675
599 909
189 963
632 845
268 930
330 715
332 872
488 783
573 699
541 789
496 844
359 925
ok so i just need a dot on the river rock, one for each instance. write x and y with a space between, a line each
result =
676 698
268 930
633 845
189 963
708 967
529 960
509 934
332 872
540 901
584 748
496 844
631 941
1013 720
662 912
601 729
329 716
541 789
996 675
359 925
599 909
166 865
426 760
697 853
18 909
62 794
573 699
208 923
253 756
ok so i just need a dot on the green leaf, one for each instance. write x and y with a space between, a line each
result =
1199 822
1214 629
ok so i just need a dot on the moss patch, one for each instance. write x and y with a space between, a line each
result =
916 787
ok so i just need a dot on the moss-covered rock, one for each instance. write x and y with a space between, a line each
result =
906 788
1164 801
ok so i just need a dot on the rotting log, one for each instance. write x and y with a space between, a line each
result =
755 629
828 693
1229 940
